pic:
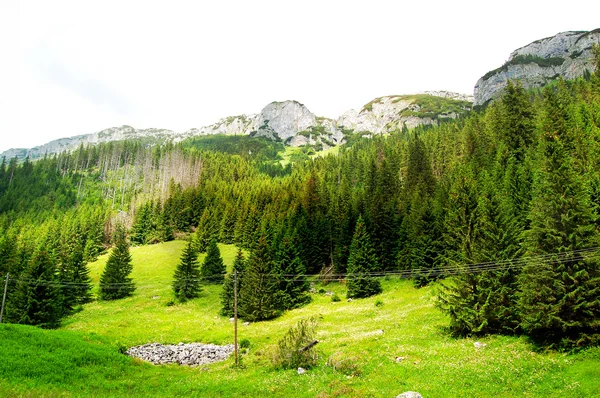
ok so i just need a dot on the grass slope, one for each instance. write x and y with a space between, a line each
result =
364 338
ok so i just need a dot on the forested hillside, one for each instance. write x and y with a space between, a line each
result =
514 188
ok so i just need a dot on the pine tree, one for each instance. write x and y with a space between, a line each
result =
79 275
559 296
293 286
361 263
421 247
213 270
38 295
485 302
259 298
186 284
239 266
514 123
9 256
115 282
142 225
206 232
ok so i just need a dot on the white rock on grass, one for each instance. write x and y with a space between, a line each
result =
410 394
479 345
192 354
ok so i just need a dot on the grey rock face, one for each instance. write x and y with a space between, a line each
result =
184 354
107 135
289 121
285 119
573 47
391 113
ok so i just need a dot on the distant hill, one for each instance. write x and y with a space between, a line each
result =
288 122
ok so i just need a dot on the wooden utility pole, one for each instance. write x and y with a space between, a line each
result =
4 297
235 316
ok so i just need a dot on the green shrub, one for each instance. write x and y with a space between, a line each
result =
244 343
297 347
335 298
378 303
347 365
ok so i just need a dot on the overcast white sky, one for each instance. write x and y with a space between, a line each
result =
77 67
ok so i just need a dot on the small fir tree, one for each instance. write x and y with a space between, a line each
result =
115 282
79 275
213 270
293 286
260 298
227 299
361 264
38 295
75 276
186 284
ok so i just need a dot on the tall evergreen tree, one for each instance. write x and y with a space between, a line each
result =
115 282
227 299
38 295
560 296
207 231
187 278
514 123
361 264
485 302
293 286
259 298
79 275
213 270
421 246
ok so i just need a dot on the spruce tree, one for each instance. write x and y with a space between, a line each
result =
239 266
115 282
514 122
293 286
213 270
186 283
421 246
206 231
260 298
9 255
37 297
485 302
559 299
79 275
361 264
74 275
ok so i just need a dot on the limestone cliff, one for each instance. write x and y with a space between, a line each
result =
289 122
386 114
568 54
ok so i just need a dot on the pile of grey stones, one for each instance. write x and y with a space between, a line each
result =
192 354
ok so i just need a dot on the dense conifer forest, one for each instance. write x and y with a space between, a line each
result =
501 208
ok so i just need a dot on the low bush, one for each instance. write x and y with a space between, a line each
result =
297 347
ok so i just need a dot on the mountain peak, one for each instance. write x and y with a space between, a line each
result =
566 54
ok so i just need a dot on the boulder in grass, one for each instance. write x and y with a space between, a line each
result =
410 394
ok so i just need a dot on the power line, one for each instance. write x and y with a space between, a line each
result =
458 269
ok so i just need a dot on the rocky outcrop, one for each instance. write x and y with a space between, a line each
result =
182 354
568 54
289 122
233 125
392 113
149 136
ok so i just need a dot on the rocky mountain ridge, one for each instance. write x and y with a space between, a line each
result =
290 122
567 54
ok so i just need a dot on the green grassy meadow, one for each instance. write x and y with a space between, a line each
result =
363 340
